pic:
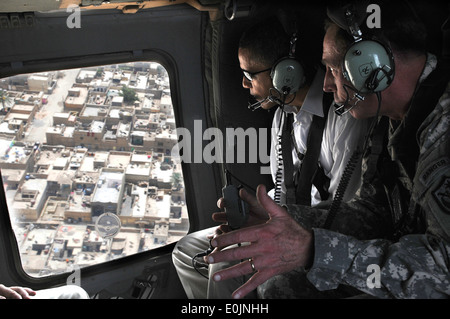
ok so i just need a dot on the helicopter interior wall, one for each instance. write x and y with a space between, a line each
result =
182 39
230 100
176 41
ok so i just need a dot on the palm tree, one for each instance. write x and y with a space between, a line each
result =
177 181
129 95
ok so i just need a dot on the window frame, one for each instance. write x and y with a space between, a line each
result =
7 235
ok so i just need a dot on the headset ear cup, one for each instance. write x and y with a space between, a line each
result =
369 66
287 75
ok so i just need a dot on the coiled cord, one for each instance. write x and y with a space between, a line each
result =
342 187
348 171
279 173
279 151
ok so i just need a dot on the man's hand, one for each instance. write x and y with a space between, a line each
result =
257 214
277 246
15 292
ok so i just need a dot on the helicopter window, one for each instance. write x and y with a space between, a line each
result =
87 167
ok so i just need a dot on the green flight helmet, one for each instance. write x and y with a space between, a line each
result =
369 66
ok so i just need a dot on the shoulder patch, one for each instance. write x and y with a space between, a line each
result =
433 169
442 195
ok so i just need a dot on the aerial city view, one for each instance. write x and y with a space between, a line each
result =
85 158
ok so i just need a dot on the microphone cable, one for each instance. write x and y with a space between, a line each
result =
348 171
279 151
195 263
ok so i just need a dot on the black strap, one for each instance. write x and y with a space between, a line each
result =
288 166
378 144
309 164
310 170
299 190
446 39
322 182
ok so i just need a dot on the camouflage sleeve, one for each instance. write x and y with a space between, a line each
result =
365 217
417 266
432 179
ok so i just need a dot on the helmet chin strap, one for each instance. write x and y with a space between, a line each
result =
350 103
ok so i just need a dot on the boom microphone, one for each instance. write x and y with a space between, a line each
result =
252 105
340 108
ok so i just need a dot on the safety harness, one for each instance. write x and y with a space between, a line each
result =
298 188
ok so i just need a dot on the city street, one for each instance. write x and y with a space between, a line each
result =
43 118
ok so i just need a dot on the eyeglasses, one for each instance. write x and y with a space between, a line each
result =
249 75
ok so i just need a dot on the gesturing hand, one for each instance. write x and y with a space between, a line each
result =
277 246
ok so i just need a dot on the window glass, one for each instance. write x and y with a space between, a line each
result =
85 156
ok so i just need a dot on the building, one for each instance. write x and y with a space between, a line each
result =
99 156
108 193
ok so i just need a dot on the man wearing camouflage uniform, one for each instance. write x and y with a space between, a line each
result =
408 179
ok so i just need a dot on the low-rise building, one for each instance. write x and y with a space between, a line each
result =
100 156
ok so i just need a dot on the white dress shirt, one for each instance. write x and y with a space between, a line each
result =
341 135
